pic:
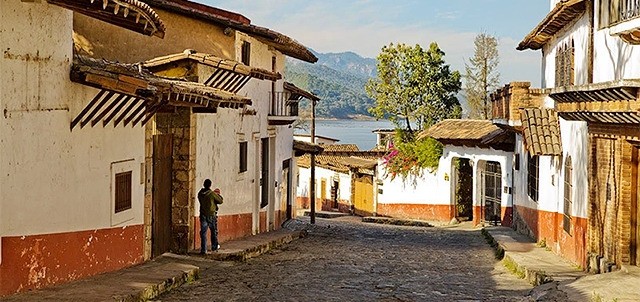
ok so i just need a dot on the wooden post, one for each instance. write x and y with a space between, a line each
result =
312 189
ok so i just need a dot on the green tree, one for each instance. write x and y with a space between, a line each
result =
414 85
482 76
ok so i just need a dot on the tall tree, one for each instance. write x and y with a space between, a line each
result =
414 85
482 76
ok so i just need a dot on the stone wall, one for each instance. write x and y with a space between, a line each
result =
182 126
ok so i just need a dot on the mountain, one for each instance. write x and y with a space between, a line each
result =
338 79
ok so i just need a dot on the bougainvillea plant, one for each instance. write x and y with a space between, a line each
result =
408 157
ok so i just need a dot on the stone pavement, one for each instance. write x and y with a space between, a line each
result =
150 279
562 280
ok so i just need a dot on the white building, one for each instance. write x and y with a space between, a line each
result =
102 161
585 208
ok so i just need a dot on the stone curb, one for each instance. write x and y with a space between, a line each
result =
393 221
152 291
243 255
535 277
327 215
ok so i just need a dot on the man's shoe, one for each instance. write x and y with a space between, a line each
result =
204 253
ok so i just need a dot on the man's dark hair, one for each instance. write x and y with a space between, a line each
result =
207 183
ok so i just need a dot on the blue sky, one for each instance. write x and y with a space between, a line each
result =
364 26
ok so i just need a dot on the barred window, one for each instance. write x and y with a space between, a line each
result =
532 177
123 192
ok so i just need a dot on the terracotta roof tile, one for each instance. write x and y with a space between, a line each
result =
541 131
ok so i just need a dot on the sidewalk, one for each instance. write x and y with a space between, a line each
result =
560 277
150 279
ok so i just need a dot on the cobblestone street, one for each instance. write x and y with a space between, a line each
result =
347 260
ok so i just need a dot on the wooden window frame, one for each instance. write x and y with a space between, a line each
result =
123 195
533 177
246 53
568 198
243 148
565 64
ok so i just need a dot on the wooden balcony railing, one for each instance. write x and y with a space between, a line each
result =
623 10
281 105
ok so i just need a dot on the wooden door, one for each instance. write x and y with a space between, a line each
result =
634 243
264 177
363 195
161 205
286 170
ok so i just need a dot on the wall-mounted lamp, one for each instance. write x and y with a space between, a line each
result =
227 31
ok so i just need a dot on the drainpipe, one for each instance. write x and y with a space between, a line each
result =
312 189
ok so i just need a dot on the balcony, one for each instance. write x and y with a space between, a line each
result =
624 19
283 108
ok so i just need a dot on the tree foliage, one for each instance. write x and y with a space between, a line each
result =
414 85
482 76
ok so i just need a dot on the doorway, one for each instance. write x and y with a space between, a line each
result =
463 188
491 176
286 171
264 177
634 218
161 200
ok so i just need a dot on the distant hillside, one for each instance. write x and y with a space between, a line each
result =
338 79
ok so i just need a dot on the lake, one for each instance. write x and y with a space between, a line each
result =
351 131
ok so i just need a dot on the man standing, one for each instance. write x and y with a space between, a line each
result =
209 201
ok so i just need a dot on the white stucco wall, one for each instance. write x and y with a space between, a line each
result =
579 32
54 180
551 173
435 188
614 59
575 143
218 137
344 183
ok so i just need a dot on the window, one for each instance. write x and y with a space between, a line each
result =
246 53
613 12
568 185
123 192
565 64
532 178
243 157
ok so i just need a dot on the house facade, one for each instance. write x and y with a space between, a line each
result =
61 213
344 180
110 145
588 52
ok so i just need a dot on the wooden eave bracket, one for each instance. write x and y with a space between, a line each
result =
130 14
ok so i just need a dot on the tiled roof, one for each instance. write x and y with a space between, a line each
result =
300 92
216 62
341 163
125 86
541 131
283 43
469 130
304 147
341 147
560 16
134 15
